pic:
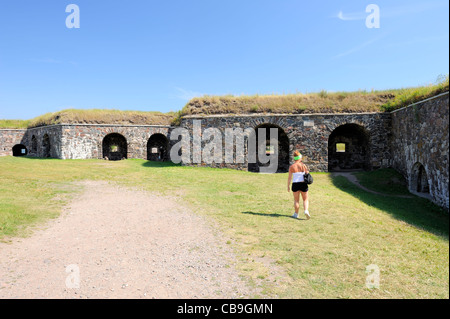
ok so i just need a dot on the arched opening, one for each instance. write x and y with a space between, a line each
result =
283 149
158 148
115 147
46 146
34 145
419 179
19 150
348 148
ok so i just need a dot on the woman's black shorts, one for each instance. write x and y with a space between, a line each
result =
299 187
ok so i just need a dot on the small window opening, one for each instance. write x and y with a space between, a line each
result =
340 147
270 149
114 148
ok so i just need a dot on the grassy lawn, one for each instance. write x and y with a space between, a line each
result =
325 257
387 181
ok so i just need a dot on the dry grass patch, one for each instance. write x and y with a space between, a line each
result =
321 102
96 116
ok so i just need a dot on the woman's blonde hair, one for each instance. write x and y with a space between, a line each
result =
297 154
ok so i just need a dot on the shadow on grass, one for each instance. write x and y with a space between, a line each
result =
273 215
37 158
160 164
415 211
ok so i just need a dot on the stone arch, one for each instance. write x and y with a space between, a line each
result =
158 148
283 149
46 146
115 147
349 148
419 179
19 150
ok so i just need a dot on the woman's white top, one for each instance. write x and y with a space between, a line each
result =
299 177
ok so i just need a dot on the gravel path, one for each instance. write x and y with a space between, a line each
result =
113 242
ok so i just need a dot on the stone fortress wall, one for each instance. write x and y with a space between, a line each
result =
412 140
419 147
365 134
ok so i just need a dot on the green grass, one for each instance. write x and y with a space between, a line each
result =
14 124
325 257
413 95
340 147
386 181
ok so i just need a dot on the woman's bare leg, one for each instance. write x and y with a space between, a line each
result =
297 202
305 198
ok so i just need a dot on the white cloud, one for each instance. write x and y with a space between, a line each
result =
351 16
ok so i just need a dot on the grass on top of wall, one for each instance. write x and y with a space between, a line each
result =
14 124
93 116
98 116
321 102
413 95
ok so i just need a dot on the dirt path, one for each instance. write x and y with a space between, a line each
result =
114 242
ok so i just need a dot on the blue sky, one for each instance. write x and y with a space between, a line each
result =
155 55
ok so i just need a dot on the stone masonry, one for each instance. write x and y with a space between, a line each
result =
9 138
309 134
420 136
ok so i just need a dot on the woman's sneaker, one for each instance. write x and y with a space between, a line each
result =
295 216
308 216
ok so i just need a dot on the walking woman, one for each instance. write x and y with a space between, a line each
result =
297 173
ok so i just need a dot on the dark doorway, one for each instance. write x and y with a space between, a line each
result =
348 148
34 145
158 148
46 146
115 147
419 179
283 149
19 150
